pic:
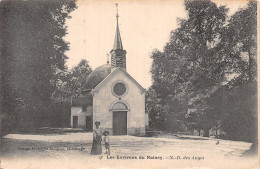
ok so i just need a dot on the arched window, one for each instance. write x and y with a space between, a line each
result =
119 106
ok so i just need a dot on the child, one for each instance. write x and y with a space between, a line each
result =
107 142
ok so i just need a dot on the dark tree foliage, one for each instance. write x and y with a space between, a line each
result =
241 44
32 52
189 66
207 60
155 109
69 82
239 118
239 112
79 75
243 88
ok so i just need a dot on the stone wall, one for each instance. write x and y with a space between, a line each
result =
77 111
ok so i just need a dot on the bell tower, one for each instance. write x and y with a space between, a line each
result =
118 58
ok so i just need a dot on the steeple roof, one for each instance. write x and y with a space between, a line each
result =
118 41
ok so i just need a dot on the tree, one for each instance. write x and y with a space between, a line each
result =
207 67
237 43
235 110
238 107
69 82
32 52
79 76
241 46
155 110
240 110
192 63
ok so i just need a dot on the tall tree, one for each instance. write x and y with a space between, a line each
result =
207 67
239 117
32 51
192 63
241 43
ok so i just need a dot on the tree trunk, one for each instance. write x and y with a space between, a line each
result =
249 67
199 132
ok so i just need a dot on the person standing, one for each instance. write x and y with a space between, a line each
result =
97 138
107 142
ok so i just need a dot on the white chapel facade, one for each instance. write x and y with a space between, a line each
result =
112 97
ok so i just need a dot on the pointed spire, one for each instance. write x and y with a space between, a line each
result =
117 42
118 54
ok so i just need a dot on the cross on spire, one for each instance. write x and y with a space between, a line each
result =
117 12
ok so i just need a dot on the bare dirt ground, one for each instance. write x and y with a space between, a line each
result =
72 150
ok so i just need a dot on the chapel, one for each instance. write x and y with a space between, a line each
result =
112 97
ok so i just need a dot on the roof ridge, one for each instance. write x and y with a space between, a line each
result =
125 73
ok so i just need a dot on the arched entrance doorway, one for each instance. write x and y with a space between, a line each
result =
119 110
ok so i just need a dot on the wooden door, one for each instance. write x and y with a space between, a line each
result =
75 121
89 123
119 123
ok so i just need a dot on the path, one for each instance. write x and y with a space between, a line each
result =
74 149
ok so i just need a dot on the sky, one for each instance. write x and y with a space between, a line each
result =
144 26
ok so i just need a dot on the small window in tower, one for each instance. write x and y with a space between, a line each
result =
84 108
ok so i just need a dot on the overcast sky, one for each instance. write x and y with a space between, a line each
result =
144 26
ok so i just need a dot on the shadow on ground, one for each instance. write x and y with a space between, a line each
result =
49 131
253 151
190 138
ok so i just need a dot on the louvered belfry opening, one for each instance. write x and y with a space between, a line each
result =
118 58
